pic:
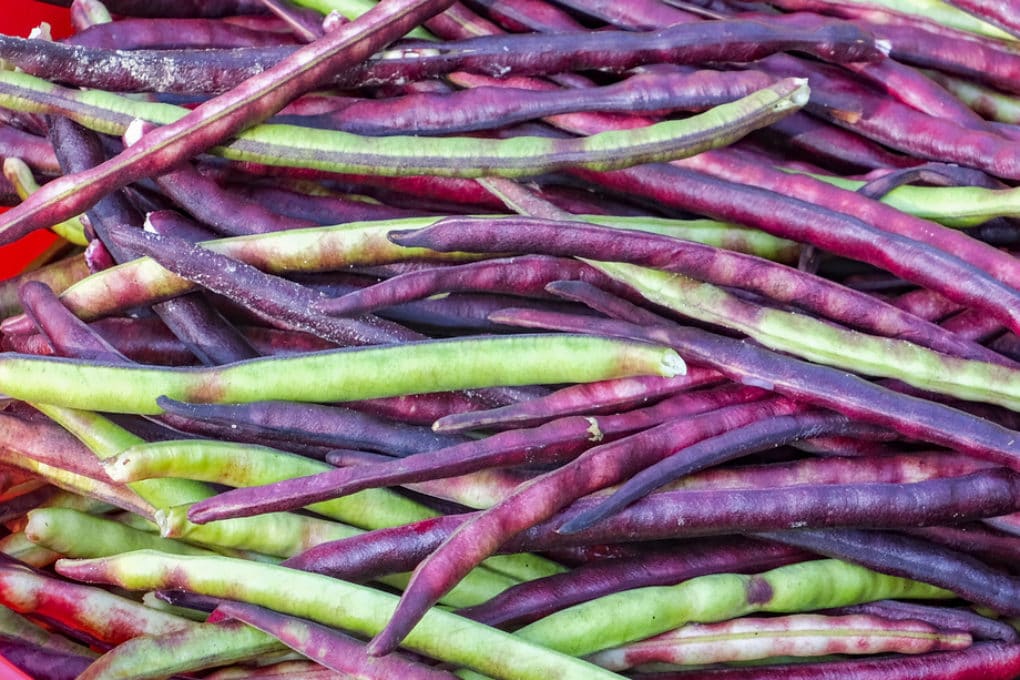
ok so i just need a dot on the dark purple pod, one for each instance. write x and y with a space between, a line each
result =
178 8
279 301
944 617
843 392
68 334
590 398
553 442
43 664
532 600
226 213
318 425
171 33
911 557
702 262
757 436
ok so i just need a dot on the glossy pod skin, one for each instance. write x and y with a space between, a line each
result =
415 367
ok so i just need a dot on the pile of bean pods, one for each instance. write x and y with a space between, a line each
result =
518 339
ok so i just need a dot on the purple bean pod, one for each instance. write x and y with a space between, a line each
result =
532 600
946 618
982 61
65 332
757 436
319 424
36 151
526 276
217 70
636 15
43 664
979 539
222 211
590 398
705 263
275 299
175 33
911 557
529 15
890 467
842 392
553 442
845 102
828 145
328 646
316 209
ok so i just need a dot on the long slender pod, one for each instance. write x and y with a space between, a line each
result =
532 600
211 122
577 400
279 301
757 436
335 151
780 331
713 265
217 70
338 375
204 645
363 610
559 440
799 635
329 646
821 385
902 555
945 617
991 661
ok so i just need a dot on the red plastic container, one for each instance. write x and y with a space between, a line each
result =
18 20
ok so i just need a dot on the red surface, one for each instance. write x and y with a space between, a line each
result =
9 671
18 18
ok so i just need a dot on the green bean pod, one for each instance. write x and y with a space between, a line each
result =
340 375
951 206
205 645
18 546
636 614
236 464
357 609
240 465
335 151
105 438
275 535
19 174
77 534
988 102
824 343
143 281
